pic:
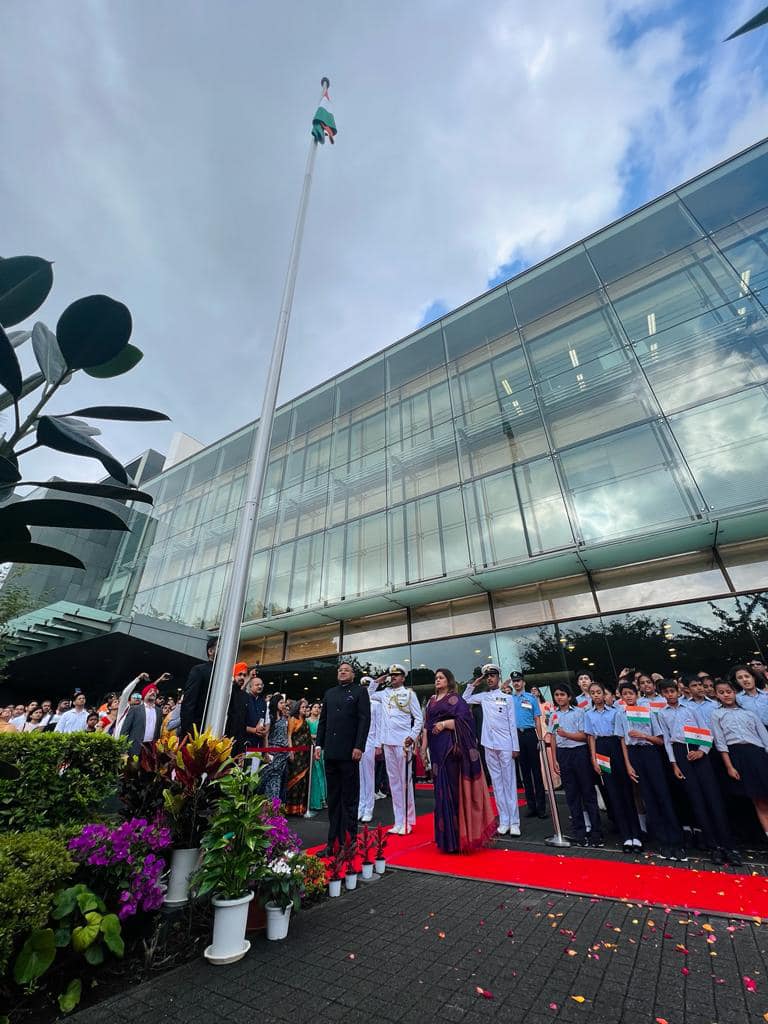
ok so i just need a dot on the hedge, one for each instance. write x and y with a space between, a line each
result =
32 868
65 778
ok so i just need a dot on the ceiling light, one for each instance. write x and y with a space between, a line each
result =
295 673
745 281
478 651
315 678
651 323
573 356
585 659
505 385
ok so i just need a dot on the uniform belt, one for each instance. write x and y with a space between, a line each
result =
526 728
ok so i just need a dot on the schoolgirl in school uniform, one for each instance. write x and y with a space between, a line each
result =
571 755
605 749
742 740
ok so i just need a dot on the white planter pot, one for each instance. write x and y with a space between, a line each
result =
350 882
277 921
183 864
334 887
367 872
380 864
229 942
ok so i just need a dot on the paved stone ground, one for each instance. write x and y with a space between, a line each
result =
416 948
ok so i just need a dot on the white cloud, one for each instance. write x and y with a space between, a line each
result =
157 153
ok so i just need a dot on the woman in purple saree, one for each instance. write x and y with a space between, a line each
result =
464 818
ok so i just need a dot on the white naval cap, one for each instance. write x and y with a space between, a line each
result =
491 668
394 669
366 681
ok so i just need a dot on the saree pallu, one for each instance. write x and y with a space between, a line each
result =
464 818
318 790
297 782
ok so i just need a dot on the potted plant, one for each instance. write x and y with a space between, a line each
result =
280 886
336 867
350 853
366 842
234 848
198 763
381 843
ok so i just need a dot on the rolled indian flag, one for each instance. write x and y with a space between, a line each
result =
603 763
695 737
554 725
638 715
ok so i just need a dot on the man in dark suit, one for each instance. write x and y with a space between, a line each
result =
345 719
142 723
196 691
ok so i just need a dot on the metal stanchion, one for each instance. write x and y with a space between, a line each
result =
558 839
309 813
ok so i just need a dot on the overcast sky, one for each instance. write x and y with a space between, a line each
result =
154 150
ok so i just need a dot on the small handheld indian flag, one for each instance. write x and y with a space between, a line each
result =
554 725
603 763
638 715
657 705
695 737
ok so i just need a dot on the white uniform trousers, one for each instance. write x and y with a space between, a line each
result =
367 764
396 768
501 766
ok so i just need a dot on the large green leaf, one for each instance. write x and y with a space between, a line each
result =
84 936
17 338
27 553
95 954
96 490
120 412
9 471
93 330
48 354
66 901
24 285
112 932
122 363
36 956
10 371
64 435
75 515
29 384
70 997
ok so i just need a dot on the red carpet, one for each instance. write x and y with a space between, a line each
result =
678 888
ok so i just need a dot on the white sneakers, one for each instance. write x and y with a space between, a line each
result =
502 830
380 796
512 830
365 817
401 830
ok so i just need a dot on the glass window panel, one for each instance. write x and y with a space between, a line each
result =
674 290
578 334
423 403
281 427
451 618
422 463
262 650
204 469
375 631
482 322
418 355
375 663
361 385
625 483
428 538
725 444
684 577
274 479
556 283
312 643
714 353
747 564
257 586
365 569
745 245
647 235
314 409
215 597
307 572
358 488
544 512
494 520
510 432
480 390
543 602
460 654
333 564
591 399
731 192
236 451
532 651
280 575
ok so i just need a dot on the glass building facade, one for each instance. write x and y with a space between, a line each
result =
569 470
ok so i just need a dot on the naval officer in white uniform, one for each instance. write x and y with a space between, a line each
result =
367 763
501 745
400 725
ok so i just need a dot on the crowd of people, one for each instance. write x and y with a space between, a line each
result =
666 760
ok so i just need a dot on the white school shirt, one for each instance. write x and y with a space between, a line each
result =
499 719
401 716
373 740
72 721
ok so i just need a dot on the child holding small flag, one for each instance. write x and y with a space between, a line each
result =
642 743
608 761
687 741
571 755
742 740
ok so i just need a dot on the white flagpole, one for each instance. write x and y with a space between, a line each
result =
232 618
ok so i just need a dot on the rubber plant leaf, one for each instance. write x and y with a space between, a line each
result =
24 285
62 435
93 330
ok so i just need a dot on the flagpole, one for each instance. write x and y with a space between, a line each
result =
232 618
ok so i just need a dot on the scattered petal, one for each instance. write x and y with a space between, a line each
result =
662 1020
749 984
578 999
707 928
351 956
510 934
553 1006
441 935
681 948
684 971
571 952
484 992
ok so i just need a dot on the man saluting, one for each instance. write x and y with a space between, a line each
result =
399 728
345 718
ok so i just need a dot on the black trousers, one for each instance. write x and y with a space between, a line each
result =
381 778
529 766
618 785
662 820
706 800
343 785
579 781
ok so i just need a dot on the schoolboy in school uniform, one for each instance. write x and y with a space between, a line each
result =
571 756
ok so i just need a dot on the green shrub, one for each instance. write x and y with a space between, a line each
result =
33 867
65 778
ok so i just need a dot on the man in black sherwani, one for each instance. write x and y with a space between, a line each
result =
345 719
